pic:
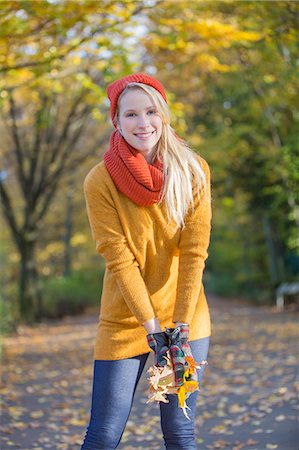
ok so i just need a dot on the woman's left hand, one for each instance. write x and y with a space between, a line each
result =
179 349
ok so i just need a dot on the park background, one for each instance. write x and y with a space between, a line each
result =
230 69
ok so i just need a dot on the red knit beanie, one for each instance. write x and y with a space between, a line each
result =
115 89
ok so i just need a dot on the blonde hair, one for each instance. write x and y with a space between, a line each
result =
181 167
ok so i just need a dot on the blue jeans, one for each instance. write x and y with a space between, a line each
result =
114 385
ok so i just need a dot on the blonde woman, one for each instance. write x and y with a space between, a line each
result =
149 209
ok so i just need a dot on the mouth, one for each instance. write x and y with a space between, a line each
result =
144 135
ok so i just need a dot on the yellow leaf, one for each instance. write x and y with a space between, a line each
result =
191 386
77 422
36 414
181 396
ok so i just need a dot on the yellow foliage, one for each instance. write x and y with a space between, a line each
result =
78 239
52 249
211 63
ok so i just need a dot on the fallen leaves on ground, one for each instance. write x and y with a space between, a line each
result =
248 396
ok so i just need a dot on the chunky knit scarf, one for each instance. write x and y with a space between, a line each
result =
132 174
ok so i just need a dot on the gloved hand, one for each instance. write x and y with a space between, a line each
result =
184 336
177 354
158 342
179 348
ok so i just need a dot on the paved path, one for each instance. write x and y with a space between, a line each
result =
247 398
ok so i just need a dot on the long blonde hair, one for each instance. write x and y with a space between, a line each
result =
181 166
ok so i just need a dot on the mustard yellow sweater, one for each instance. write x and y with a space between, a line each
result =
151 269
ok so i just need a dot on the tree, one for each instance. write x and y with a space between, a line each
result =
57 58
234 70
40 165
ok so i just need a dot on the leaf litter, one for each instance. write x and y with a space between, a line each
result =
247 400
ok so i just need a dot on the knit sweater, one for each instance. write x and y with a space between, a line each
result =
152 268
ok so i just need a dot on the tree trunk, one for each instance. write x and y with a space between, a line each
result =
30 297
272 256
68 228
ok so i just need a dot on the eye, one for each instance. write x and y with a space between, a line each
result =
152 111
130 114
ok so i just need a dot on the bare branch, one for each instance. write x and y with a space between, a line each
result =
67 151
44 178
48 195
90 152
36 151
71 114
17 147
8 213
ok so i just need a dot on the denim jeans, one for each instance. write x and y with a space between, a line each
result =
114 385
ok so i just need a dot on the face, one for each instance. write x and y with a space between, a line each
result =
139 122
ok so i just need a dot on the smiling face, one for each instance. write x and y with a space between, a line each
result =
139 122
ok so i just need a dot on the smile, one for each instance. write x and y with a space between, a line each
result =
143 135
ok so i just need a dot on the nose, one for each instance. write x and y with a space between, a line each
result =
143 121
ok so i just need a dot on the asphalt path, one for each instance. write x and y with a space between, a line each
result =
248 397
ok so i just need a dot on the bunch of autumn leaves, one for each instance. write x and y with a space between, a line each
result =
174 371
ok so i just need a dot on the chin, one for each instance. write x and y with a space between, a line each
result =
145 149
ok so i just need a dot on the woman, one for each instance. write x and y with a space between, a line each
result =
149 208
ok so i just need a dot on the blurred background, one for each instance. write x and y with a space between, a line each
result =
230 69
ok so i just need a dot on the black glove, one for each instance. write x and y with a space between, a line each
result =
158 342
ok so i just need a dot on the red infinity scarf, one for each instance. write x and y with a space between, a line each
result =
132 174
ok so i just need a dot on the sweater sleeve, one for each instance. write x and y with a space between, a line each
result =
193 245
111 243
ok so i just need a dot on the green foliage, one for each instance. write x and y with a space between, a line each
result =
231 73
72 295
234 67
7 316
56 60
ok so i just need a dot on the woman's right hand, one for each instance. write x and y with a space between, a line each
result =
179 350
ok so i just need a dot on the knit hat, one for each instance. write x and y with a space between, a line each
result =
115 89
